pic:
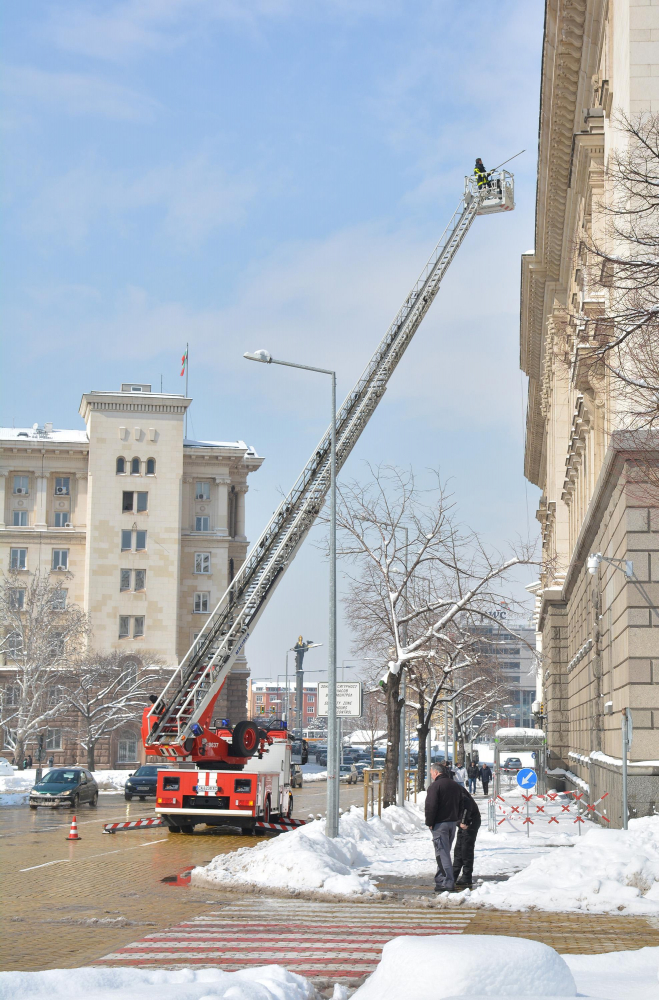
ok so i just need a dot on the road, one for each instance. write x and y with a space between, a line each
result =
69 902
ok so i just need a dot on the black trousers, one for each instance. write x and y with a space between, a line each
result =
463 856
485 786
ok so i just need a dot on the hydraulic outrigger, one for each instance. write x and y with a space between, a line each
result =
180 725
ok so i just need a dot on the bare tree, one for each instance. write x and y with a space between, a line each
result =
416 576
106 691
42 638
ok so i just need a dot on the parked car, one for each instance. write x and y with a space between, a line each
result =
142 783
321 758
348 773
296 776
65 786
360 767
513 764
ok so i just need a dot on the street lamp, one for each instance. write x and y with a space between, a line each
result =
332 824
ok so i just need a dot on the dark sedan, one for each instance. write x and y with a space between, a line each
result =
143 782
65 786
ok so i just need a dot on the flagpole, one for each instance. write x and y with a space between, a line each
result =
187 365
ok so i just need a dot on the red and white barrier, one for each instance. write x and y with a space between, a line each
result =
558 808
282 825
136 824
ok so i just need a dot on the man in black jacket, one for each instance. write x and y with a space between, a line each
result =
443 809
468 827
486 777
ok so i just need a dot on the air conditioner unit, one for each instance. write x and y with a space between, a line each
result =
20 489
200 496
61 491
68 525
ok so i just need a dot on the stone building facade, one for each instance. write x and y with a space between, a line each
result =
145 529
600 637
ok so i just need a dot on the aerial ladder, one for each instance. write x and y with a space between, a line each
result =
180 724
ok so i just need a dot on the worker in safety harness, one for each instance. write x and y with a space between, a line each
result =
482 176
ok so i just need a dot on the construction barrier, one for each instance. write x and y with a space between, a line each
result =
559 808
282 825
136 824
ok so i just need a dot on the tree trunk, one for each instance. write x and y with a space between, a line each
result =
393 706
422 735
19 752
91 761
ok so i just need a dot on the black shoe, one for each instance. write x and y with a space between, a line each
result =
462 885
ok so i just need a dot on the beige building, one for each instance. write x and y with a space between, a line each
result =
599 636
145 527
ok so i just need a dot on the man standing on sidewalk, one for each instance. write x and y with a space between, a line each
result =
444 806
472 775
468 827
486 777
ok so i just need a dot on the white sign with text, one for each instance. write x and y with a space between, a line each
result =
348 699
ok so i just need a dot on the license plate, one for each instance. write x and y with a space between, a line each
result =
143 788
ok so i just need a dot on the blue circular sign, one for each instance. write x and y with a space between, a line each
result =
527 778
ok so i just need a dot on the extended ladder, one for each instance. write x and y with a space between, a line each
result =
195 684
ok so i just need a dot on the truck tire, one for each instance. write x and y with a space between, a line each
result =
245 740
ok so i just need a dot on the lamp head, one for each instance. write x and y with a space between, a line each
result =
261 355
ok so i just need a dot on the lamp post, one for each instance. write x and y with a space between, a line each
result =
332 824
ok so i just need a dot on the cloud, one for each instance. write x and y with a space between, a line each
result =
77 94
195 197
327 303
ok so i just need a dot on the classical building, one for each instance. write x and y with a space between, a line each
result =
143 526
600 640
511 644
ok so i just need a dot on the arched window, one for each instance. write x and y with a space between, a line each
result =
121 466
127 748
150 466
135 466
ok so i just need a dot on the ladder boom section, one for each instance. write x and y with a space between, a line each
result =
194 686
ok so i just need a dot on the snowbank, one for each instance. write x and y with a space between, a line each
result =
314 776
617 975
305 859
432 968
268 982
606 871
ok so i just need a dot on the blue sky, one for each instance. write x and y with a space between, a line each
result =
273 173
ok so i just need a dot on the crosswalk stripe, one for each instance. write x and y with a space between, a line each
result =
314 939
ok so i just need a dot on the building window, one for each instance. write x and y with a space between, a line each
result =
150 466
140 541
201 602
53 739
202 491
311 697
129 576
202 523
18 558
202 562
20 484
140 579
17 598
134 502
19 518
125 623
62 486
138 627
58 600
124 579
60 559
124 627
121 466
135 466
259 699
11 696
62 518
127 748
127 540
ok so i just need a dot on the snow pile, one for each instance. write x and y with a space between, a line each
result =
305 859
606 871
268 982
431 968
15 787
314 776
618 975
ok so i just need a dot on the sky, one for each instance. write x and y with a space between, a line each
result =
244 174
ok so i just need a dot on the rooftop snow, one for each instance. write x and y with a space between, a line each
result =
22 434
238 445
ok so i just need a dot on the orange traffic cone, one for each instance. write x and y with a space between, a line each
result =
73 832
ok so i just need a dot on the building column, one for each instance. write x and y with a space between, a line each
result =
240 510
42 497
3 482
79 510
221 505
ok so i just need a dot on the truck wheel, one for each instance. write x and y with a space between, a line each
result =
289 811
245 740
187 828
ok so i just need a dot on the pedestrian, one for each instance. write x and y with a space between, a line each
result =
472 775
51 761
443 809
460 775
463 856
486 777
29 760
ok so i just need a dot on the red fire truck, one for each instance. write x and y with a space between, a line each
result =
189 794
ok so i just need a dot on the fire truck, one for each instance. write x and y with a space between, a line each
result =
190 794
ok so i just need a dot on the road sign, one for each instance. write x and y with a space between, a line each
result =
527 778
348 699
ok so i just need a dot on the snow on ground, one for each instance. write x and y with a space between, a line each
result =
314 776
15 788
441 966
618 975
606 871
269 982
